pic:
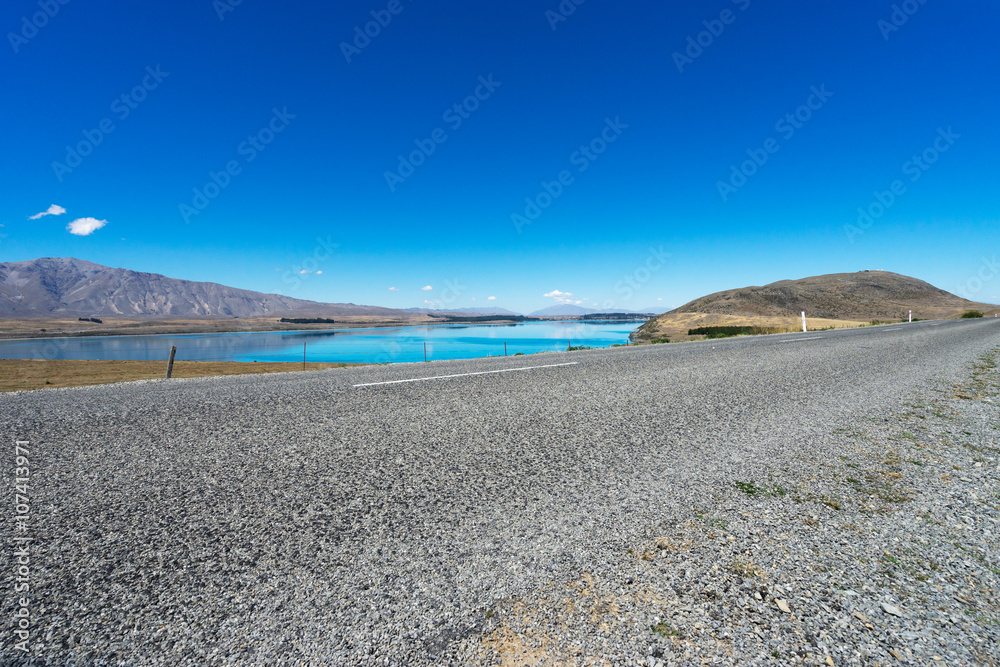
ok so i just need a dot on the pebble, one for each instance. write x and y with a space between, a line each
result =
889 609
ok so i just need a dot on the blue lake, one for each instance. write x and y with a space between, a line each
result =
401 344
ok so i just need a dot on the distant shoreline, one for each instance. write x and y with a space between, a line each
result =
40 328
187 329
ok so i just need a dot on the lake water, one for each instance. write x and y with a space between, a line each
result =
401 344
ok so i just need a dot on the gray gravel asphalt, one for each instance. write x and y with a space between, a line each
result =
584 512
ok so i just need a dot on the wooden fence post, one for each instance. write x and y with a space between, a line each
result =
170 361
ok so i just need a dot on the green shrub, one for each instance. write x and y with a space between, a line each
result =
971 314
751 489
307 320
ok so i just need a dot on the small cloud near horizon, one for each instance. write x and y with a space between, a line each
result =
51 210
426 288
393 289
303 272
491 298
85 226
319 273
563 297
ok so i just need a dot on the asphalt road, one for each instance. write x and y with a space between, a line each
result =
344 516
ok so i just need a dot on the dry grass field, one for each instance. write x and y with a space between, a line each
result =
676 325
21 374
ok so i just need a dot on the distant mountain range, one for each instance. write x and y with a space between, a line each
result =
570 310
68 287
469 311
64 286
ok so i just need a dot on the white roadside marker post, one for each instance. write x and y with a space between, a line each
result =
911 316
804 321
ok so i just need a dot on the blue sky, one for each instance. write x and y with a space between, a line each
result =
591 157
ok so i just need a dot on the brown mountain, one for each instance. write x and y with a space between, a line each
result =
866 295
838 299
64 286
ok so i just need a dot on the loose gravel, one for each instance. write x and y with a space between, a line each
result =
825 501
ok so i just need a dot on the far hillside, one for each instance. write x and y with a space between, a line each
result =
837 300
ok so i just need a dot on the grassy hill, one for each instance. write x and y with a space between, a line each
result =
838 300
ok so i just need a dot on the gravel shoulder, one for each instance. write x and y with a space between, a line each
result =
808 500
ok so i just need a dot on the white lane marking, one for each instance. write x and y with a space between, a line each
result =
893 329
458 375
796 340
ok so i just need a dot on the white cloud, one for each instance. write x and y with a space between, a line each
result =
85 226
426 288
473 298
561 297
491 298
51 210
393 289
319 273
659 298
431 304
303 272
